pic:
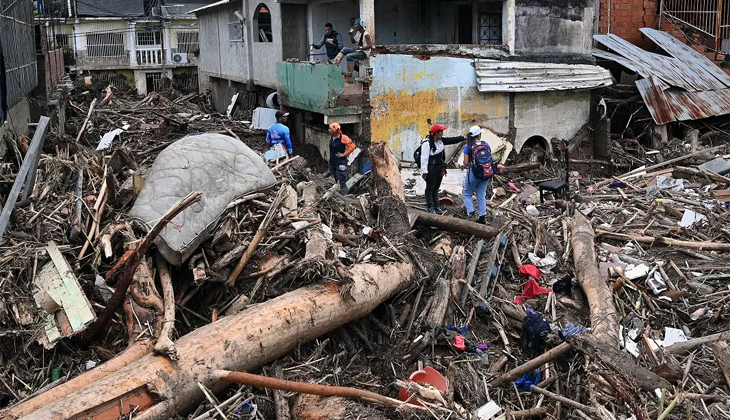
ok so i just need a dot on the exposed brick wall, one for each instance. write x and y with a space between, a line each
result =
627 17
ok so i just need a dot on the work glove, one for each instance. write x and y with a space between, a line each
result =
313 46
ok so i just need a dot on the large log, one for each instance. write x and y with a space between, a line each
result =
162 388
128 356
388 189
604 319
454 224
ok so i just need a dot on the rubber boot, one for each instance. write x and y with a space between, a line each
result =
350 68
339 58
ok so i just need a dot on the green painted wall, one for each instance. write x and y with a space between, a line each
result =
309 87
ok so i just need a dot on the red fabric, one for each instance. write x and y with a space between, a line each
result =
459 343
531 290
530 270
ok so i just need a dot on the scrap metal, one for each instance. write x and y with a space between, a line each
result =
686 85
498 76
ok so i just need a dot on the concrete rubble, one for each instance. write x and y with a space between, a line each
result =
337 305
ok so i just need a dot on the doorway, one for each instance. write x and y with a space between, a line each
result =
294 31
465 24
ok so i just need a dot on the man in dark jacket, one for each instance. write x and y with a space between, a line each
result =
433 164
331 40
340 147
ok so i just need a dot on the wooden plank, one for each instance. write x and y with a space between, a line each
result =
59 281
30 161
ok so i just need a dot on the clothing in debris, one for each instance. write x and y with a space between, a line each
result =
340 147
530 270
531 290
534 327
279 134
332 42
433 164
526 382
564 285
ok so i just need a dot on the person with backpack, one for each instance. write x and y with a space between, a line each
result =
430 157
480 170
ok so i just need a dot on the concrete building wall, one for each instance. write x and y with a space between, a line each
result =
407 91
17 122
224 57
266 54
554 27
559 114
624 18
221 55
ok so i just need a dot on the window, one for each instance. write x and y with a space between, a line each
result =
262 27
235 28
149 37
62 40
188 42
490 23
105 45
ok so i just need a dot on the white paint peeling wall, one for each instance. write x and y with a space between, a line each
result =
406 91
559 114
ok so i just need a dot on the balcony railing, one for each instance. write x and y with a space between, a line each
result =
149 56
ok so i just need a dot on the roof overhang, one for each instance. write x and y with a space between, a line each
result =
516 76
209 6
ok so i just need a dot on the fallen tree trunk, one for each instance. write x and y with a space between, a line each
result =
128 356
388 188
618 361
708 246
162 388
454 224
604 319
722 358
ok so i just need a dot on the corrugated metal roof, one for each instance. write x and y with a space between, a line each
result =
685 86
210 6
514 76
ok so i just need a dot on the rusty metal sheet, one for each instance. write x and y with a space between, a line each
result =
685 86
664 67
498 76
676 104
698 62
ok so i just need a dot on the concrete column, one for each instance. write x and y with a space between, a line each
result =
367 14
167 41
78 45
132 43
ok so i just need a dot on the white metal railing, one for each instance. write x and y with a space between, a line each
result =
149 56
698 14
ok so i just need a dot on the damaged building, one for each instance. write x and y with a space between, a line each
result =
17 66
519 67
135 43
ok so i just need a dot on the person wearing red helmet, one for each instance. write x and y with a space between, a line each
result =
433 164
340 147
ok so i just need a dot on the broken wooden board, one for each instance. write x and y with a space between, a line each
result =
722 195
67 310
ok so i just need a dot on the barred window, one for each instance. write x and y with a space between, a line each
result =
105 45
188 42
145 38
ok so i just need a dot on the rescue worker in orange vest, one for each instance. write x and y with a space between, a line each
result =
340 147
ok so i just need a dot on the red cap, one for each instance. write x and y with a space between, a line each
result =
437 127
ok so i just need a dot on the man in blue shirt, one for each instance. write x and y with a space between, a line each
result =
279 133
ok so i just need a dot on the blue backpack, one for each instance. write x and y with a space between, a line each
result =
482 164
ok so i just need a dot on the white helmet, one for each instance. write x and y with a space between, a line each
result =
475 131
